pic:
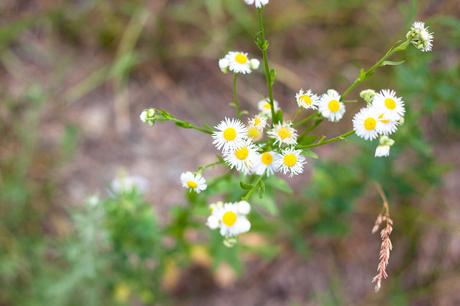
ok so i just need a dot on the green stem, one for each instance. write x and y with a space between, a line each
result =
305 120
208 166
311 128
327 141
235 101
248 195
364 75
263 46
189 125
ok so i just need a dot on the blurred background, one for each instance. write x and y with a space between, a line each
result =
74 77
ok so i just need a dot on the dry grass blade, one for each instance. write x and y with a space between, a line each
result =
386 245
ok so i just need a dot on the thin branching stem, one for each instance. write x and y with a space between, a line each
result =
235 100
327 141
248 195
262 43
365 74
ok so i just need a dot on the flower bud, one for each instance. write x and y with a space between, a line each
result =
254 64
148 116
368 95
385 144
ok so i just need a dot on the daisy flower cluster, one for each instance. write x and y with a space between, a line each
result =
265 143
240 150
380 118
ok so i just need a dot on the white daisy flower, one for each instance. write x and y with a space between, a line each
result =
420 36
291 161
365 123
265 108
257 3
258 121
224 64
256 127
239 62
231 218
242 158
330 106
193 182
267 163
307 99
230 134
255 134
392 106
284 134
383 149
386 126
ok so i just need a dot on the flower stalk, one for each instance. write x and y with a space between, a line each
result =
263 45
365 74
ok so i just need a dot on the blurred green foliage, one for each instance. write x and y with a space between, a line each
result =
112 250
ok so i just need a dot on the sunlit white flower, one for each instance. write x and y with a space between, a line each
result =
392 106
386 126
255 134
254 64
257 3
291 161
307 99
284 134
420 36
224 64
239 62
125 183
230 218
267 163
242 157
258 121
330 106
229 134
193 182
365 123
384 147
256 127
265 108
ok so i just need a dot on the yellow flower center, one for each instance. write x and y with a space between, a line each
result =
192 184
284 133
266 158
253 133
334 106
290 160
369 124
267 105
257 121
229 218
307 100
229 134
242 153
390 103
241 59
